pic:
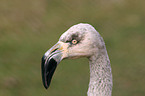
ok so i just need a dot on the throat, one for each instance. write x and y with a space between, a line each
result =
100 75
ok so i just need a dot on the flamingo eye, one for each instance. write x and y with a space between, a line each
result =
74 41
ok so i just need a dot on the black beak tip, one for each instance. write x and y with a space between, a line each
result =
47 69
46 87
43 71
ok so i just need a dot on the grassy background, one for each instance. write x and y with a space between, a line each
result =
28 28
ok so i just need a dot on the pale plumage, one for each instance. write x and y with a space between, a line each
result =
88 43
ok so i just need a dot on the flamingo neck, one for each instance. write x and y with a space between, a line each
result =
100 75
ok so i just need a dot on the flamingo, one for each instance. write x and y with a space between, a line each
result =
81 40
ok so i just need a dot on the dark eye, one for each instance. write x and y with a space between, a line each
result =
74 41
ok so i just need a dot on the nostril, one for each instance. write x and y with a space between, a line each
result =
54 50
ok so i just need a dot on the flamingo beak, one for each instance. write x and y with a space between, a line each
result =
50 60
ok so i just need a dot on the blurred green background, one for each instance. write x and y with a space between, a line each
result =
28 28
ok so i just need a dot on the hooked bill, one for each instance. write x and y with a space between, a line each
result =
47 67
